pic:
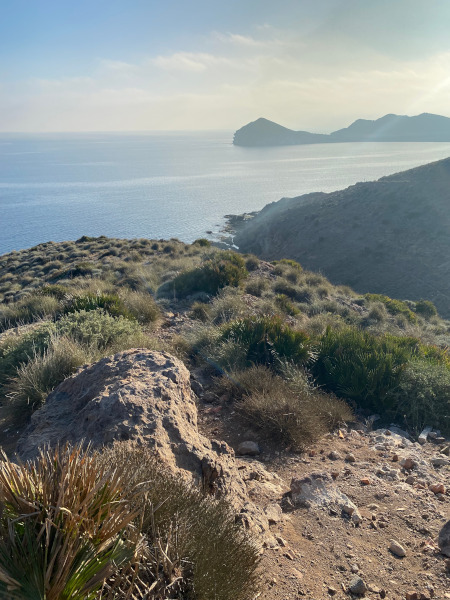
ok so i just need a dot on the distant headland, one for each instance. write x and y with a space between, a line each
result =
390 128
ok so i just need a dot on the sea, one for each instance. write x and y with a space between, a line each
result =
168 184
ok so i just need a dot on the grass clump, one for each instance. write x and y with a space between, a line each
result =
194 547
286 408
65 526
31 308
395 307
266 339
110 303
362 366
225 268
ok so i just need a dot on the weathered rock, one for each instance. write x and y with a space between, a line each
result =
397 549
437 488
334 455
424 435
273 513
319 490
357 586
408 463
444 539
141 397
248 448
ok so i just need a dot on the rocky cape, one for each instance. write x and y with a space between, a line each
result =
390 236
425 127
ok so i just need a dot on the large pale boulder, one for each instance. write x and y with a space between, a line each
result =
142 397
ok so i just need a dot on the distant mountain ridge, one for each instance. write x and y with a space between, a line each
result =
390 236
390 128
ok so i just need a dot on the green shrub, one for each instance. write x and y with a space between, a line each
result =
110 303
82 269
98 329
362 366
395 307
284 304
426 309
422 396
203 242
225 268
266 339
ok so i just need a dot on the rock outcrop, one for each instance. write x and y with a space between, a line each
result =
136 396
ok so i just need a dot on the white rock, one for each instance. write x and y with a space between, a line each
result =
397 549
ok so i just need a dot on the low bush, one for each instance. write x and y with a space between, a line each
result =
287 410
110 303
257 286
225 268
422 396
266 340
202 242
426 309
285 305
200 311
17 349
140 306
362 366
98 329
395 307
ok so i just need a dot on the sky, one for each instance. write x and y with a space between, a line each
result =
143 65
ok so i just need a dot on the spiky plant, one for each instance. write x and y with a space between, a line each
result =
65 526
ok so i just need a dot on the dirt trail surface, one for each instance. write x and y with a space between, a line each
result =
320 549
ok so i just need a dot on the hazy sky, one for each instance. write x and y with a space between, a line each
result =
90 65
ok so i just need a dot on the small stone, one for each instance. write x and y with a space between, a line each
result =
437 488
383 593
357 586
411 480
397 549
395 458
283 543
332 591
335 474
248 448
354 568
334 455
289 555
365 481
446 450
373 588
439 461
408 463
350 458
412 596
447 564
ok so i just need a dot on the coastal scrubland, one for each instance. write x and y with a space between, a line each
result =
288 351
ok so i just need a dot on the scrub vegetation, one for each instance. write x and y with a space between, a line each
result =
290 353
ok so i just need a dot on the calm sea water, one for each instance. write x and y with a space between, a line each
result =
60 187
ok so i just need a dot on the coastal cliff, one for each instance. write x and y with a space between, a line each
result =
390 236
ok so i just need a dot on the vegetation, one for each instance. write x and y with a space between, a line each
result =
97 295
78 525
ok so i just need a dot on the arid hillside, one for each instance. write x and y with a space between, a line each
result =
390 236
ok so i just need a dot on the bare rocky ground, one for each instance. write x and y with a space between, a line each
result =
319 551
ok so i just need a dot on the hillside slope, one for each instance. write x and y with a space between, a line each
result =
390 128
390 236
